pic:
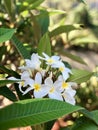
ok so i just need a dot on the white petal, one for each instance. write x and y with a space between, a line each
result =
41 93
27 90
30 82
45 55
65 75
68 98
28 62
25 75
13 78
55 58
57 84
55 95
38 78
20 88
48 81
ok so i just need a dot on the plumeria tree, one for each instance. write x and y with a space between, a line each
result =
44 86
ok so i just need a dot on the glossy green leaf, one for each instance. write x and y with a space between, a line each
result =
5 82
64 29
6 92
44 45
33 112
21 49
80 76
6 34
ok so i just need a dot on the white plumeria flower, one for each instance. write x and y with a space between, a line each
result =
50 59
53 89
67 91
63 69
32 64
36 85
67 86
24 80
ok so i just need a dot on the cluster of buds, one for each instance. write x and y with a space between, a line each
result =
46 77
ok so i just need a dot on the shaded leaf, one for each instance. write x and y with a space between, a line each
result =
6 92
5 82
21 49
64 29
83 123
95 116
6 34
71 56
9 72
44 45
80 76
34 111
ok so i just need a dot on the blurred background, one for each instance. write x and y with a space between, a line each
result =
32 20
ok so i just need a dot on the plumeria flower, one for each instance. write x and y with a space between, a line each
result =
63 69
33 64
67 86
36 85
67 91
53 89
50 59
24 80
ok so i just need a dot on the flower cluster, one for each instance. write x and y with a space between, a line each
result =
46 77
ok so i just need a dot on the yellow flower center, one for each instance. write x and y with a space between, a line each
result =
22 83
37 87
50 61
61 69
64 85
52 90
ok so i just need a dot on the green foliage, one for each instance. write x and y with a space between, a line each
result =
21 49
6 34
5 82
33 25
44 45
6 92
80 76
33 111
64 29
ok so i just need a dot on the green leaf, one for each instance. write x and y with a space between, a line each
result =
44 45
5 82
21 49
64 29
9 72
43 21
6 34
36 4
9 6
29 4
81 1
95 116
6 92
80 76
84 123
33 112
71 56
